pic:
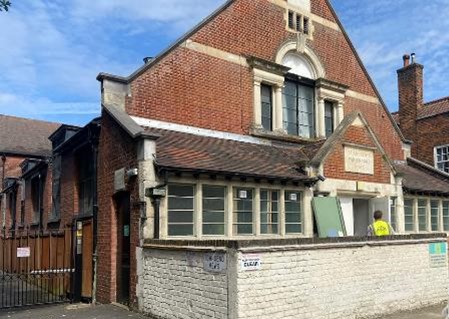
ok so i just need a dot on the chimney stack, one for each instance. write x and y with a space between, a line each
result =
410 84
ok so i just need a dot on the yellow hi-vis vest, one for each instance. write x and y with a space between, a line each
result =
381 228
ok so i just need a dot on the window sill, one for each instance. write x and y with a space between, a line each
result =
282 136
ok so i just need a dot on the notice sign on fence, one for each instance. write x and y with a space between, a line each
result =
438 255
23 252
250 262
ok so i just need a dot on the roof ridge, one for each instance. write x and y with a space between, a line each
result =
437 100
30 119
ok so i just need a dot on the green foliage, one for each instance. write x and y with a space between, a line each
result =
4 5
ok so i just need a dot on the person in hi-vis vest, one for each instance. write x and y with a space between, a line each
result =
379 227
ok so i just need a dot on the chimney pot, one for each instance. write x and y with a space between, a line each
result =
406 59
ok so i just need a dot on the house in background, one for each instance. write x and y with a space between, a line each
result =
25 148
426 124
225 156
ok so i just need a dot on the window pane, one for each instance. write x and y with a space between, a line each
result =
269 211
213 229
267 106
180 210
434 214
442 158
446 216
213 210
422 214
329 118
408 210
243 211
293 214
180 230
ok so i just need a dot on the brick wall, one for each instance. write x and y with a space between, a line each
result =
346 283
192 88
117 150
175 285
334 166
432 132
12 166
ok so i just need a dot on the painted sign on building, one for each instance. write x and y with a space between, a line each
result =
214 262
359 160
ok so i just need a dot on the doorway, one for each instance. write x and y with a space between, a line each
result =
123 247
362 217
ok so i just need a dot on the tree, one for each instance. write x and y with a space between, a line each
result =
4 5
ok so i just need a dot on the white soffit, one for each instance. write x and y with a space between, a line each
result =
150 123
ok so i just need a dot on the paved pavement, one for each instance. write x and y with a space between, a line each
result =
114 312
71 312
424 313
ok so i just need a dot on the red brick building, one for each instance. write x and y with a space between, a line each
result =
25 162
424 123
235 130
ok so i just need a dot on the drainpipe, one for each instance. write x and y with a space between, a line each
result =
95 220
3 171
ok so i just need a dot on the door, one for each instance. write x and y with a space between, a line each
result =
86 286
123 248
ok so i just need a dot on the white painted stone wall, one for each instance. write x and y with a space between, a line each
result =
340 283
174 284
296 279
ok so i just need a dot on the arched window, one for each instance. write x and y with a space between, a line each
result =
299 96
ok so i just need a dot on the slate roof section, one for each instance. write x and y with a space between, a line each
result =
420 178
178 151
26 137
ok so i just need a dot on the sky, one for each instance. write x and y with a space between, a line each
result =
52 50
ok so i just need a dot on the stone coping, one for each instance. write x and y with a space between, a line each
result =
277 244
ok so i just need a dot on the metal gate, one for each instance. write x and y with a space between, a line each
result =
36 267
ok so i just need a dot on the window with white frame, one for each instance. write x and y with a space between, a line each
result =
293 213
269 212
181 207
243 211
225 212
434 214
409 219
442 158
266 92
328 118
393 212
422 215
214 203
445 213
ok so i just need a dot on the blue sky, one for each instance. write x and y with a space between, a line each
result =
51 51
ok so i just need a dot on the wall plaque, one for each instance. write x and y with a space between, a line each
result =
359 160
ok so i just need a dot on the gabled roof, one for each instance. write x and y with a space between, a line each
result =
321 155
26 137
421 178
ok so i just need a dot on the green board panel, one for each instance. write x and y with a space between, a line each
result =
329 217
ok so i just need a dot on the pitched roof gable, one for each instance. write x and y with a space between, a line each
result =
338 135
